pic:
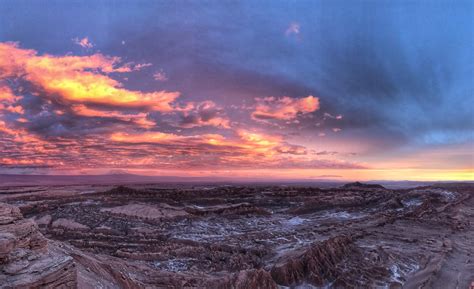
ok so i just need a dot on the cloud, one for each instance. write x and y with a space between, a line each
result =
142 65
324 153
293 29
70 112
21 149
5 130
140 118
84 42
79 79
160 76
284 108
244 149
163 138
330 116
328 176
6 95
9 101
206 113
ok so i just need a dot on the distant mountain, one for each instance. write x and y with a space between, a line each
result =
358 185
124 178
24 180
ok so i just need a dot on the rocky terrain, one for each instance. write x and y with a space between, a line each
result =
151 236
27 259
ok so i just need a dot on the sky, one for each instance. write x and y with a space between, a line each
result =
336 90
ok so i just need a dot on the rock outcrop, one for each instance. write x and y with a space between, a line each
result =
316 265
246 279
26 258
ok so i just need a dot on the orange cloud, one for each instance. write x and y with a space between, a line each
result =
18 135
6 94
254 140
80 79
8 100
5 129
284 108
245 148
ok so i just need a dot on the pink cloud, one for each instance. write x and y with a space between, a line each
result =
160 76
293 29
84 42
284 108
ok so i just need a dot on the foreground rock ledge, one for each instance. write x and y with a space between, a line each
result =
27 260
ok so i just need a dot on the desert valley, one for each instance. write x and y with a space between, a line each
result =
228 236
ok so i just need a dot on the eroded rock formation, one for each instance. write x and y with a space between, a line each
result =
316 264
27 260
354 236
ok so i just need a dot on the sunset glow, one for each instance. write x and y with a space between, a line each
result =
282 93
